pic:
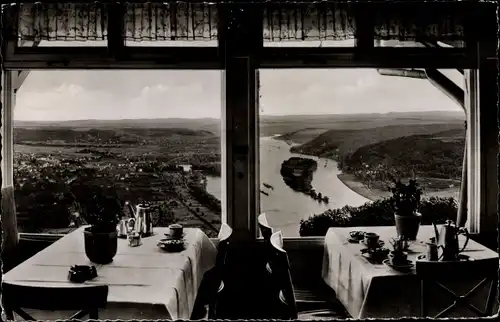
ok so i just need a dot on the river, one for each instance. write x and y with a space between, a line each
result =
285 207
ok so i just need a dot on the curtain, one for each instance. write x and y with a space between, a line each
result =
145 21
61 22
282 21
405 21
175 21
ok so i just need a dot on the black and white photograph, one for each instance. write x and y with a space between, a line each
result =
290 160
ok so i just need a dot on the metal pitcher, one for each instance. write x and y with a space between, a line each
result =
447 240
122 228
143 218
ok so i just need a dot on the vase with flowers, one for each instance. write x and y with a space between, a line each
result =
100 209
406 201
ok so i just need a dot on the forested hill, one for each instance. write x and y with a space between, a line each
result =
338 144
438 155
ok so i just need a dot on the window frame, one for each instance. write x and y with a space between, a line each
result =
363 55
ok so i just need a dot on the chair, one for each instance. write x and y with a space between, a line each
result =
289 305
311 298
86 298
284 305
265 230
434 272
213 281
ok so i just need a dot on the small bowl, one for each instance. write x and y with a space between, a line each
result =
171 245
397 258
134 240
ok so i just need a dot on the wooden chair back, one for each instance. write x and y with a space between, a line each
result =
224 237
437 272
219 272
88 299
265 230
284 296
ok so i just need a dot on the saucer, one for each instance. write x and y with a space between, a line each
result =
170 237
401 267
461 257
377 259
354 240
381 243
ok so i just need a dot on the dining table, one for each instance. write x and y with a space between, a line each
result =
370 289
145 282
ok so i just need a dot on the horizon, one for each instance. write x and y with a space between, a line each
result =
267 115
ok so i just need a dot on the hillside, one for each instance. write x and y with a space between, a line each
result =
338 144
439 155
303 128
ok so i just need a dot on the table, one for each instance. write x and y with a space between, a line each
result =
144 282
376 291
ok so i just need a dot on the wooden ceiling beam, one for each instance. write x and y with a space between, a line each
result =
20 76
377 57
429 44
447 86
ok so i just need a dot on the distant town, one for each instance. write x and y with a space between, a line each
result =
174 182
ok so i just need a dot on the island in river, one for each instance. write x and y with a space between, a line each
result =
298 172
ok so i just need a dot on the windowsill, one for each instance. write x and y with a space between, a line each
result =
291 242
297 243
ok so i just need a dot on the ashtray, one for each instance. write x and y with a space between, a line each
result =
171 245
81 273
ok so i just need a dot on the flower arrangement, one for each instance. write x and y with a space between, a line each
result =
100 208
406 197
399 244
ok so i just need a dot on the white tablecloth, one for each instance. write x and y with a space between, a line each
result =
144 282
376 291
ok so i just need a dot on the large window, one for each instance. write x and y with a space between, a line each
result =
135 135
332 141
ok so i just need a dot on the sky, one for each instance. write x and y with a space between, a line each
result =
99 94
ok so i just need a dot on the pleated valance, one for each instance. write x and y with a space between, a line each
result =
282 21
340 21
142 22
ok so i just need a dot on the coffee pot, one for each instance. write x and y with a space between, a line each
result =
447 240
143 218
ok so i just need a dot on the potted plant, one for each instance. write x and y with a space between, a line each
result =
406 201
398 256
101 210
